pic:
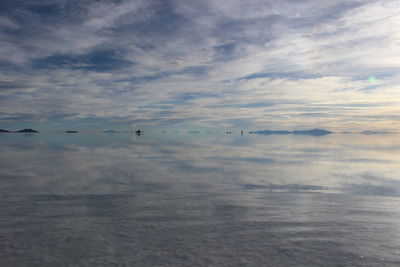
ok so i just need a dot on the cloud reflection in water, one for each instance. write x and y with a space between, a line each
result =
202 200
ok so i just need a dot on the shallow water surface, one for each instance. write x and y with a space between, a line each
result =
199 200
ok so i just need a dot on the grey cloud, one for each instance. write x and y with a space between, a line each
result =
286 187
206 62
18 117
370 189
97 60
12 85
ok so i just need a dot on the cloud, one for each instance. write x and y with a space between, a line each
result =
97 60
210 63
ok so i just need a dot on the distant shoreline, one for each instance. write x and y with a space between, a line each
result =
311 132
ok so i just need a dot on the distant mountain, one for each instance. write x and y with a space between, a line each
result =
267 132
71 131
27 131
110 131
4 131
373 132
313 132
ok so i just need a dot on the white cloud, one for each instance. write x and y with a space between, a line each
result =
311 60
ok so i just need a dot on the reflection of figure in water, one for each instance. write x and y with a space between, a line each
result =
138 132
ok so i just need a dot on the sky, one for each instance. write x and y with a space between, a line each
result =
250 64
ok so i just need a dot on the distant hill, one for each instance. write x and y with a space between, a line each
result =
71 131
313 132
373 132
4 131
267 132
27 131
110 131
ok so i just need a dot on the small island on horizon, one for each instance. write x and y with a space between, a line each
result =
26 130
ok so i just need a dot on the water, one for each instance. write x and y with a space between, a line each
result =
199 200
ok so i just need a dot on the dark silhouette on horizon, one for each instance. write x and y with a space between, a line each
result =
26 130
313 132
373 132
110 131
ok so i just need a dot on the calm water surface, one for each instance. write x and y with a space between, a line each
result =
199 200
